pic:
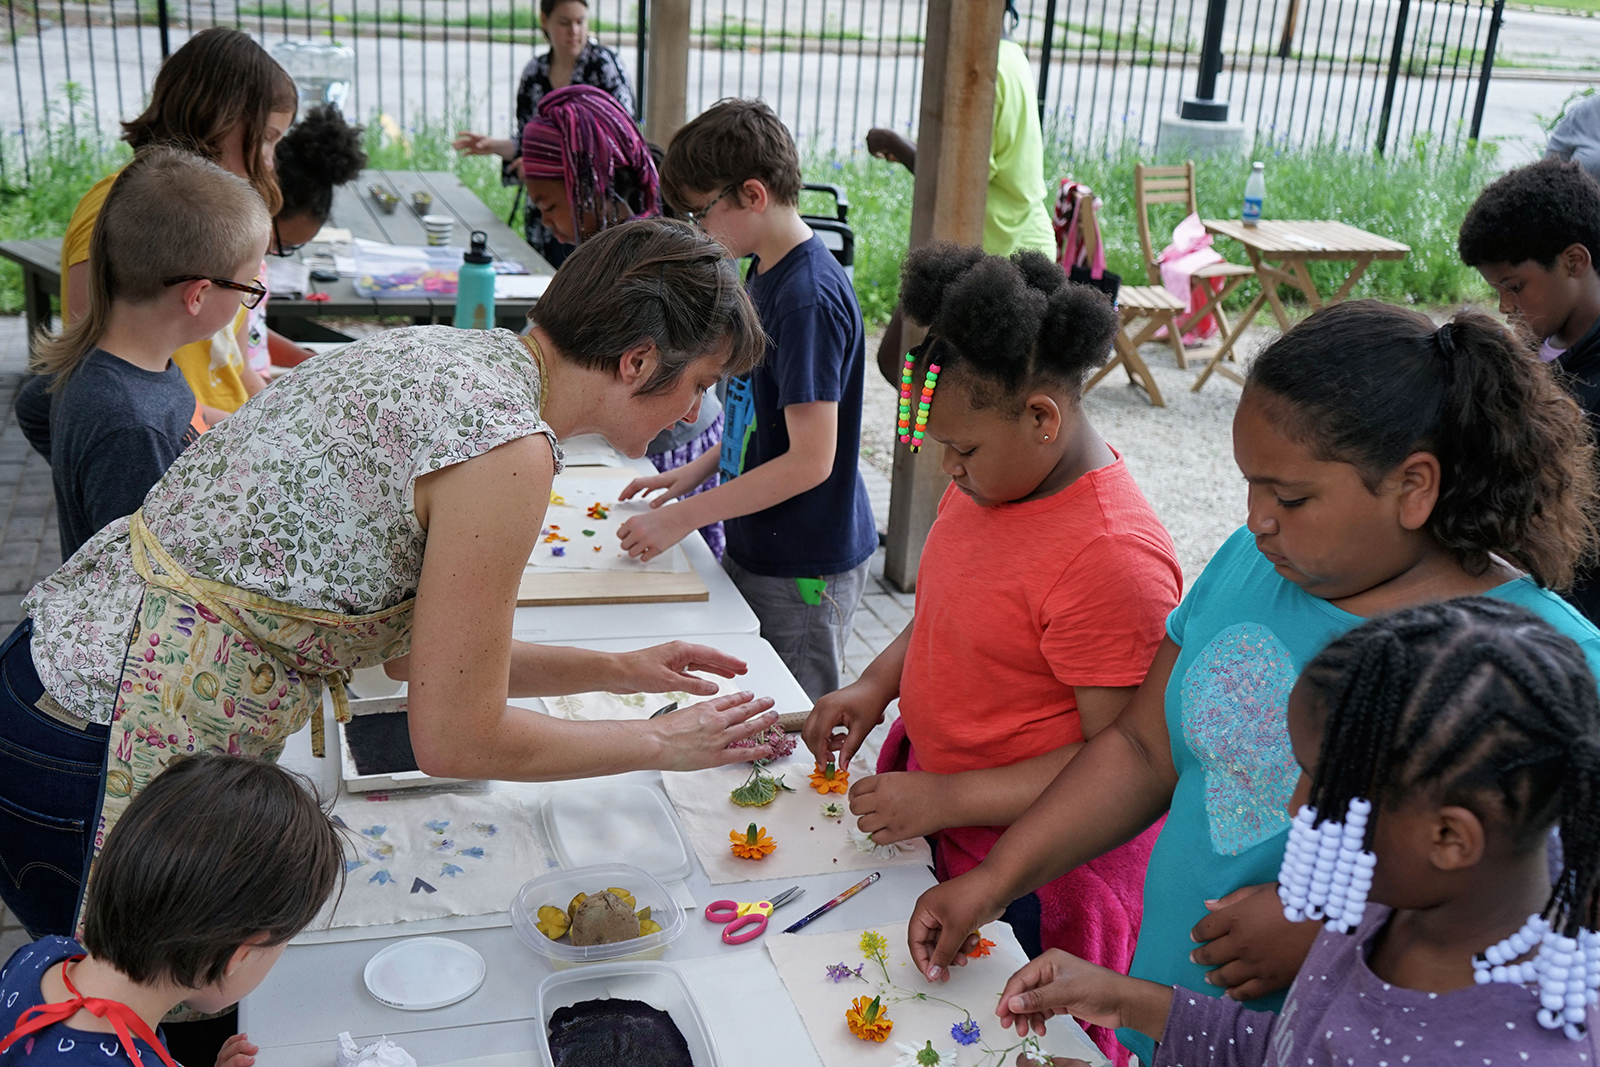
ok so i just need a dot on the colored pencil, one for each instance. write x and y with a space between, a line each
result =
836 901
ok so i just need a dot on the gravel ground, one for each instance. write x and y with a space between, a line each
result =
1181 455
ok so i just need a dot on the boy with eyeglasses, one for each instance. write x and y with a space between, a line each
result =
175 253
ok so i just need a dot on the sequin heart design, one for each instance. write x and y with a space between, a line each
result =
1235 721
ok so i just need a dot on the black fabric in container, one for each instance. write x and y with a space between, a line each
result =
608 1033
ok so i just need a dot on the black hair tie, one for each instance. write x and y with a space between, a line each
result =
1445 338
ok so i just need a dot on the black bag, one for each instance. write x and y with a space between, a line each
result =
1108 283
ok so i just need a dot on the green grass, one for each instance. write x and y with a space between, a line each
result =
1586 7
1417 196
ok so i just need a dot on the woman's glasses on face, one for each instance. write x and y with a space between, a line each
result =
252 293
278 248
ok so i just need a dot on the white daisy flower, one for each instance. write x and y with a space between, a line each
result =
926 1056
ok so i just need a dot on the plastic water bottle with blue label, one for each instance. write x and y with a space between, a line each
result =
1255 191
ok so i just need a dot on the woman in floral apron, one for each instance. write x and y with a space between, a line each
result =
375 507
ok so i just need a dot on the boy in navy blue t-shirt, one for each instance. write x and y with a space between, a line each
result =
799 526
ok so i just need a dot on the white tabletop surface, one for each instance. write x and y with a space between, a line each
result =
316 990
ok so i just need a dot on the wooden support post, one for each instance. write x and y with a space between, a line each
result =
956 126
667 70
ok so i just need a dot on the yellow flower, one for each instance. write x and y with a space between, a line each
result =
869 1022
753 844
830 780
874 946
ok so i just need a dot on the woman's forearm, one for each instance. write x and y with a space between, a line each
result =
525 746
550 670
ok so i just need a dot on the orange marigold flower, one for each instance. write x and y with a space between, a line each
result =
868 1021
829 779
753 844
984 945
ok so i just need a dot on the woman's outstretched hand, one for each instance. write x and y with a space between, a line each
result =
698 736
1058 983
481 144
665 669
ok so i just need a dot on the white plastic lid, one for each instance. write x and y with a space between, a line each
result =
423 973
598 823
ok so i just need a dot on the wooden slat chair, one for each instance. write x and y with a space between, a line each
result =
1175 185
1143 309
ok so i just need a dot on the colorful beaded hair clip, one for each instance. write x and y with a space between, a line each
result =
912 434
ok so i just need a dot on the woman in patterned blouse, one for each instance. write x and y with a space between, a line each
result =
574 58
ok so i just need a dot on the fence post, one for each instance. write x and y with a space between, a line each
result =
641 39
1204 106
960 53
1396 57
1488 67
163 21
1044 53
1290 18
668 70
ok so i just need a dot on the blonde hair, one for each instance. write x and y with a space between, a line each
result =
168 214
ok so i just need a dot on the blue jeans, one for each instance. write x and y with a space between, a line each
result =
52 779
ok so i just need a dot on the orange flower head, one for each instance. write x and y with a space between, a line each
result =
984 945
753 844
868 1021
830 779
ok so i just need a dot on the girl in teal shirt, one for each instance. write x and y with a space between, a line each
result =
1389 463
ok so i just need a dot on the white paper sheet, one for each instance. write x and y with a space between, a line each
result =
808 843
431 856
802 962
616 707
520 286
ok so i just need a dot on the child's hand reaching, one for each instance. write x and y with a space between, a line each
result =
237 1051
900 805
679 481
858 707
1059 984
647 536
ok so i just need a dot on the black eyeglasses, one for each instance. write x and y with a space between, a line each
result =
253 294
279 248
699 217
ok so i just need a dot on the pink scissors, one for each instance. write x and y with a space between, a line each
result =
745 922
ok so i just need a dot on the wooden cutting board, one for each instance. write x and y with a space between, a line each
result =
546 589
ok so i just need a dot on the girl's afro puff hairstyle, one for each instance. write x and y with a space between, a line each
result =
1005 325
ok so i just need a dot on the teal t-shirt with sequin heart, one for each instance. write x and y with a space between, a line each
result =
1246 633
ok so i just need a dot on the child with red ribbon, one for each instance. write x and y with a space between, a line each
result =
211 871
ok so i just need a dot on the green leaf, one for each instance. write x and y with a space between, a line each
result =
758 792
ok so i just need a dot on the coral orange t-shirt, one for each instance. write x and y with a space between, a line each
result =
1019 603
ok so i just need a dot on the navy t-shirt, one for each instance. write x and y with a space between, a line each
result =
114 430
816 350
58 1044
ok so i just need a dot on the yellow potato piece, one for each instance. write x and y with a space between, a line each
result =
644 913
622 894
648 926
573 907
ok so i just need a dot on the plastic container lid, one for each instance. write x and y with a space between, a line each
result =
423 973
597 823
656 984
559 887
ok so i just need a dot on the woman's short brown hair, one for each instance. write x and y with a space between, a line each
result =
216 851
219 81
729 143
651 280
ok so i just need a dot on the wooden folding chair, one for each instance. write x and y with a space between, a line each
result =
1175 185
1143 309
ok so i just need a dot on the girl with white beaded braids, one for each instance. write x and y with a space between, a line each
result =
1446 741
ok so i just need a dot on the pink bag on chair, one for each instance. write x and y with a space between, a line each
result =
1189 251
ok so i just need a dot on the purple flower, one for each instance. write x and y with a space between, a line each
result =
965 1033
840 971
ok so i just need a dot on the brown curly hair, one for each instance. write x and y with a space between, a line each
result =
1368 384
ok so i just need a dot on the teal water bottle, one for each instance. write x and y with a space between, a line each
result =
475 286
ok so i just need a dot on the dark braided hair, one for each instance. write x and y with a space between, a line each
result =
1005 326
1369 384
1471 700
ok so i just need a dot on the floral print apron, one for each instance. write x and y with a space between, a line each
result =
213 668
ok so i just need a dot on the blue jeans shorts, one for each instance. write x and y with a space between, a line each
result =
52 779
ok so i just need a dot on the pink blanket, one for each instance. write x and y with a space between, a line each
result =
1092 912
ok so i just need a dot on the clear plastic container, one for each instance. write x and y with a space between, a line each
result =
593 822
656 984
559 887
405 272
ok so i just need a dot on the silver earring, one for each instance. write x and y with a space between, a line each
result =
1047 437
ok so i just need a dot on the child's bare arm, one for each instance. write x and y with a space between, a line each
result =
813 442
1061 984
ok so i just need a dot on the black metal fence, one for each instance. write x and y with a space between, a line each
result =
1360 74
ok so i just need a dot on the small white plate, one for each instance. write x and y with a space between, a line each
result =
424 973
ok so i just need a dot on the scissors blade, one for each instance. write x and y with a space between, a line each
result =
792 893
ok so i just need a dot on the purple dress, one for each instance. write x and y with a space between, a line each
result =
1339 1014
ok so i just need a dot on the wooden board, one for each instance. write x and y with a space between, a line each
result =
549 589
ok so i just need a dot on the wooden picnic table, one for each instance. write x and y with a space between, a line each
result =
1279 250
354 210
